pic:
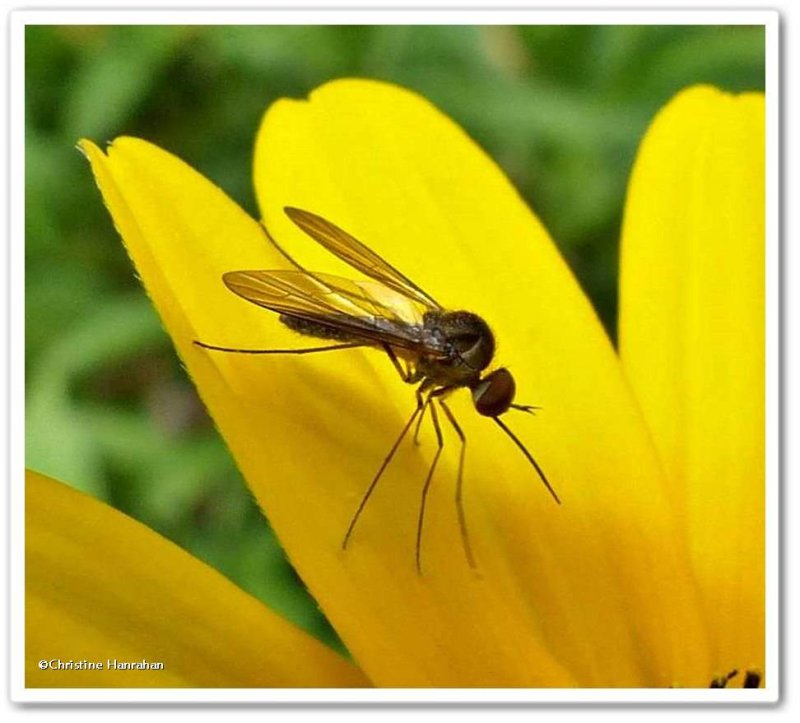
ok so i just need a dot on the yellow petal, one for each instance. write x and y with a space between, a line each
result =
595 592
101 587
692 343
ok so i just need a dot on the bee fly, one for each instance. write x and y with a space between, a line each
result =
438 350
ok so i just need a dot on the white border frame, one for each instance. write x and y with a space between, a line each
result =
324 16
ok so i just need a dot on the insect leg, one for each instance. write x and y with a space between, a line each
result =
282 251
310 350
426 486
421 417
383 466
405 374
408 377
462 520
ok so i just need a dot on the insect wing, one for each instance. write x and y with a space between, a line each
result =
362 310
359 256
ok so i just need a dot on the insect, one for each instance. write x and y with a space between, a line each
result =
438 350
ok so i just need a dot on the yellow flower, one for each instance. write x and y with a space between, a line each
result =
651 571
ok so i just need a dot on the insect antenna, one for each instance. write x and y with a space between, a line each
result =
529 408
528 455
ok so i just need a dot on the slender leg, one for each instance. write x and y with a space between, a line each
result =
383 466
462 520
440 392
405 374
311 350
426 486
282 251
421 417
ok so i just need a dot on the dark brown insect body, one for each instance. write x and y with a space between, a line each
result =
438 350
463 344
468 343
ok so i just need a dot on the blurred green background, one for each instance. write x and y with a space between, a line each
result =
109 408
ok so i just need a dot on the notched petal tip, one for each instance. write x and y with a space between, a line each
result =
383 163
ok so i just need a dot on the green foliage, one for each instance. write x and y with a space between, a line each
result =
108 406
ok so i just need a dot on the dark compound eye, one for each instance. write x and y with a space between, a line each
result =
494 394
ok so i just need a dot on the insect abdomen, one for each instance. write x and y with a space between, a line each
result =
312 328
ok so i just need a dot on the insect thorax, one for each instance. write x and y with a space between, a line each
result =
467 341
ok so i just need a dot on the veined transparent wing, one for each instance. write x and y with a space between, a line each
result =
359 256
363 310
